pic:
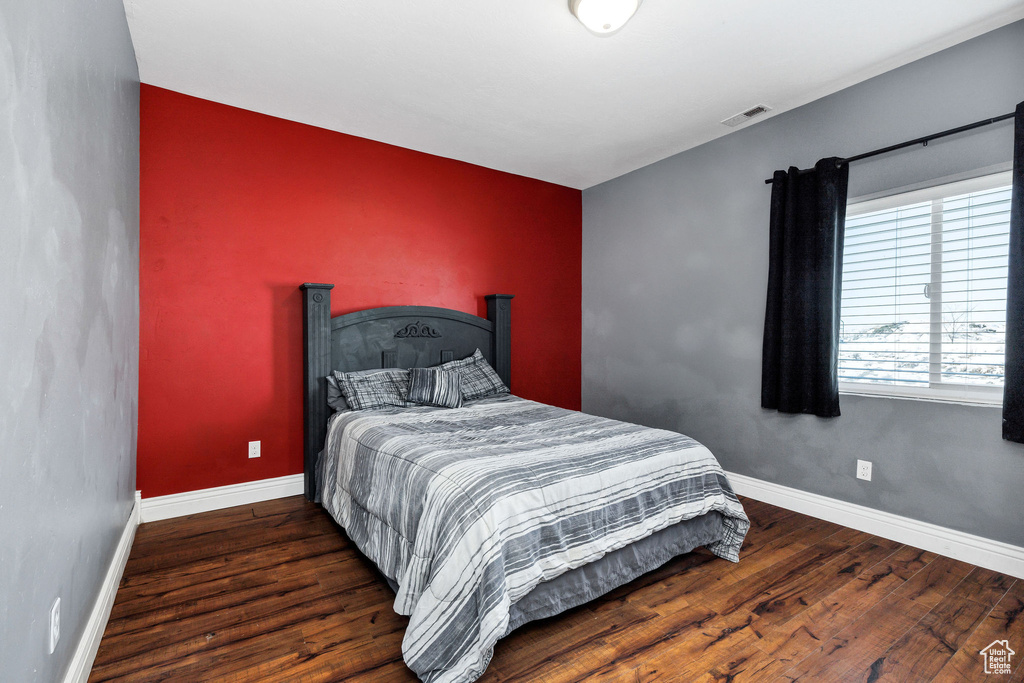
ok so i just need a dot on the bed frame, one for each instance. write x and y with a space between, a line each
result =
389 337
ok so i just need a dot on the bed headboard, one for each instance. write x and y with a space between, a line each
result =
389 337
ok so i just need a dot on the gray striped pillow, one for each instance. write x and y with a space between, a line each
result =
478 377
435 387
336 399
380 389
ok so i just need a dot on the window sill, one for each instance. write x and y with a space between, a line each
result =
995 401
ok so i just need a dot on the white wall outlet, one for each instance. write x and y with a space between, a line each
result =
54 625
254 449
864 470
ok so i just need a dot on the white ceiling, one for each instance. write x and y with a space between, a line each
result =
521 86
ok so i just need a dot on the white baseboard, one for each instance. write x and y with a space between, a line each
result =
204 500
89 643
984 552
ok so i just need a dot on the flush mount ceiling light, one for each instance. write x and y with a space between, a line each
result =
603 17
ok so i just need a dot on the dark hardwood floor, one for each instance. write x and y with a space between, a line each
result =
275 592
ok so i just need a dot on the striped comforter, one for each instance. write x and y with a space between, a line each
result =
469 509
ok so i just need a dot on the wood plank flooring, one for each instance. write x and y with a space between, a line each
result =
276 592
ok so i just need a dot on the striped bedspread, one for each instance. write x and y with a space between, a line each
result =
469 509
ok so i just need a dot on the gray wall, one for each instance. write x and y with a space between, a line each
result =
675 269
69 316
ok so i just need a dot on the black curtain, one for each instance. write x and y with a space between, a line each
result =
800 356
1013 391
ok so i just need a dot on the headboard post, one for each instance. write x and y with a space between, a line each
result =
499 312
316 336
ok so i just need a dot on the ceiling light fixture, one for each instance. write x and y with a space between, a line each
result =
603 17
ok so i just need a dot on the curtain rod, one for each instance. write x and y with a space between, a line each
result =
921 141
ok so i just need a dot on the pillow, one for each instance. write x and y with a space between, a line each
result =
335 399
378 389
435 387
478 377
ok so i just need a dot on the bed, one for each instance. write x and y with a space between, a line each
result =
501 511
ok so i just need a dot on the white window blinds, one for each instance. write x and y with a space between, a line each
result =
924 292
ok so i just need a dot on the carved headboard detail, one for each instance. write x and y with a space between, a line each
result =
417 329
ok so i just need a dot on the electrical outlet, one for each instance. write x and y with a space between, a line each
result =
254 449
54 625
864 470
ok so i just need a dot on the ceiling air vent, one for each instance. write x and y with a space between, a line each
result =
747 115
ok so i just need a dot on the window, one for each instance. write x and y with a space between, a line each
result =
924 292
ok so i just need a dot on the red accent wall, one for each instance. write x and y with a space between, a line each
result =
238 209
